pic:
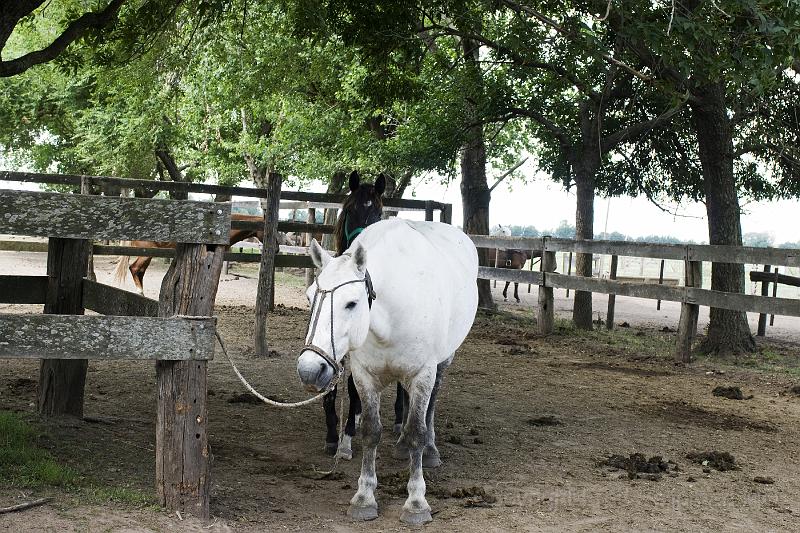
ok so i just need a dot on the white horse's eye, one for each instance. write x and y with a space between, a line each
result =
350 305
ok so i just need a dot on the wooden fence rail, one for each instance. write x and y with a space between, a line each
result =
310 199
691 295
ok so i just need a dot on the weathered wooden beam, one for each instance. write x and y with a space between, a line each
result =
744 302
62 382
749 255
311 199
429 211
183 476
71 337
23 289
546 303
507 274
76 216
446 213
108 300
310 220
285 225
23 246
770 277
605 286
626 249
506 243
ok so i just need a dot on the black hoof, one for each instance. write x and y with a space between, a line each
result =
331 447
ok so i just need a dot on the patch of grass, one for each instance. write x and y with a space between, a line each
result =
124 495
22 462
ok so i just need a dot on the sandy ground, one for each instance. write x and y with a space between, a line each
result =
606 393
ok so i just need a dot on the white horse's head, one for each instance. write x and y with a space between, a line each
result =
339 319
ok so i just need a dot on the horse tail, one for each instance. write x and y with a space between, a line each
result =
122 269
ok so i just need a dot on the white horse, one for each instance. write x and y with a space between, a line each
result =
425 298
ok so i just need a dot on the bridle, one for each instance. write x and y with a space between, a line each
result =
319 296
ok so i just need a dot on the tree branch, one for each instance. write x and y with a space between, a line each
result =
636 131
74 31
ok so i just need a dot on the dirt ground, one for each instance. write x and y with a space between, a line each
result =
524 424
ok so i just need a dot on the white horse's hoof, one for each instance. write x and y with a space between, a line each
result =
363 513
398 428
415 518
344 453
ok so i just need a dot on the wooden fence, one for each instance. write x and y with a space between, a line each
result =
268 259
691 295
178 331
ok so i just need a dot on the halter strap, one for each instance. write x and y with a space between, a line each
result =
319 296
350 235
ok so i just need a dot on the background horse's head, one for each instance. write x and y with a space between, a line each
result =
339 319
362 207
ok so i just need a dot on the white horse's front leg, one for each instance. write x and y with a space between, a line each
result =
416 509
363 505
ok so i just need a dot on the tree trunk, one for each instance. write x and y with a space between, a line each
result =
584 230
475 194
728 331
61 381
335 186
265 298
174 173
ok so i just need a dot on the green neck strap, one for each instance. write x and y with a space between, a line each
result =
350 235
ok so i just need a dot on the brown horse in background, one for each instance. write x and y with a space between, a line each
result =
139 266
514 260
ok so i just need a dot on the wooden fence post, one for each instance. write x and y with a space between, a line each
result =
61 382
446 214
774 295
569 269
182 453
312 219
762 318
612 298
546 304
429 210
687 327
86 188
265 299
660 282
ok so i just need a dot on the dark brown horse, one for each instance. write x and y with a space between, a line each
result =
139 266
514 260
362 207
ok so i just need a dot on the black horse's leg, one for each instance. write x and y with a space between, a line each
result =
345 450
400 408
401 449
516 293
505 291
430 456
331 422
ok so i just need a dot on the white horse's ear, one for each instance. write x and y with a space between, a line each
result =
360 257
319 256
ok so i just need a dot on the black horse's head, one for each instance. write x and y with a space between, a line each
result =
362 207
